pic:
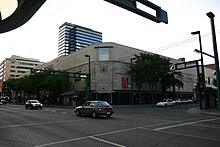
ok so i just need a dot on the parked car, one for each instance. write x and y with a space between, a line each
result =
4 101
94 109
176 101
165 103
33 104
186 101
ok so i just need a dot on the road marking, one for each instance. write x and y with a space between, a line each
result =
46 109
33 124
105 141
101 134
188 135
207 126
184 124
125 130
182 134
64 141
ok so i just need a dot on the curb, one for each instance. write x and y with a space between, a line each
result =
196 110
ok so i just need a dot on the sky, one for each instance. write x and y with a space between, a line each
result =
38 38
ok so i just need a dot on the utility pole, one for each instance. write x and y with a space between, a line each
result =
211 16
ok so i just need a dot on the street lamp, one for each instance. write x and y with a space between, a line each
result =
132 84
89 79
211 16
202 66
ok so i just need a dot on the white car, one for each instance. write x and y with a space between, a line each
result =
165 103
176 101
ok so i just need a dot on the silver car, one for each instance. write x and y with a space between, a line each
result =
165 103
33 104
94 109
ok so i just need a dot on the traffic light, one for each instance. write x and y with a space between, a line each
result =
200 88
200 78
200 83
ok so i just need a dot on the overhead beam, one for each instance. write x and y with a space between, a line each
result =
131 5
25 10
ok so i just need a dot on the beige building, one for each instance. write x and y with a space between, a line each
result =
16 67
110 81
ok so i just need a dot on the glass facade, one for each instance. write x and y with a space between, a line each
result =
103 54
73 37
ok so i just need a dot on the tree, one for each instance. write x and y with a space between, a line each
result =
32 84
171 79
152 69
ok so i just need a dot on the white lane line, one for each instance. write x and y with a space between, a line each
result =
105 141
33 124
101 134
182 134
184 124
207 126
64 141
194 136
187 135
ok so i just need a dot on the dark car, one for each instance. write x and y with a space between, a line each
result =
33 104
94 109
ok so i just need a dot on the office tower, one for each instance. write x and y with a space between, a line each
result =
73 37
16 67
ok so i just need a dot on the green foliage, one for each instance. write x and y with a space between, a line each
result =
153 69
33 83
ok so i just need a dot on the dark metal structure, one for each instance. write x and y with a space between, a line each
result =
131 5
27 8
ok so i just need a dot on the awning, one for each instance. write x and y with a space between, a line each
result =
210 86
69 93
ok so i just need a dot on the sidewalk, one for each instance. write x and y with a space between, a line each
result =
211 111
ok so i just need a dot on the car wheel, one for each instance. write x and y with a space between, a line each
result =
77 113
26 107
94 115
108 115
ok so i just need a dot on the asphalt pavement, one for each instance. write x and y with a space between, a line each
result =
210 111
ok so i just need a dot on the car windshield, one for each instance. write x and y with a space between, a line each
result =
103 104
35 101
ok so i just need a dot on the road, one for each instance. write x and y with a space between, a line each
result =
132 126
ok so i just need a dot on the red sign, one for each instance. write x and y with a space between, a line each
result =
124 82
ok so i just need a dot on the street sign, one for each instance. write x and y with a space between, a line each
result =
172 67
131 5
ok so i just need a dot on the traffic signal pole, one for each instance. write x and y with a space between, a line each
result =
211 16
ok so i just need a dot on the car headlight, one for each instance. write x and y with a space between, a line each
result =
33 104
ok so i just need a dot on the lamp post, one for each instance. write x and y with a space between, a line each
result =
132 84
211 16
203 96
88 56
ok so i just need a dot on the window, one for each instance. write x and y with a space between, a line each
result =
103 54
